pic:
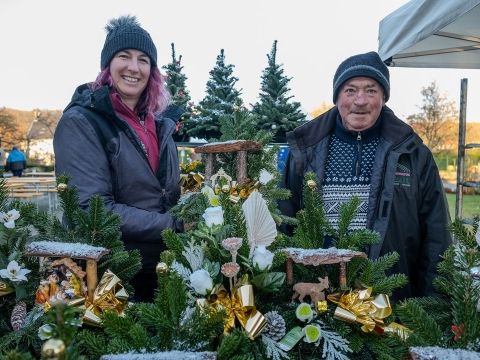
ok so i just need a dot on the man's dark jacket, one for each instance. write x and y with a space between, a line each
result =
407 205
103 156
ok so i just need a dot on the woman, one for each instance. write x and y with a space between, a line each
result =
112 142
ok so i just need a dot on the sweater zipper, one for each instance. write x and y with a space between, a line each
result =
359 150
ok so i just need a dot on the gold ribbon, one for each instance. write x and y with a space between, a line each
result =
360 307
191 182
109 295
5 289
240 305
187 168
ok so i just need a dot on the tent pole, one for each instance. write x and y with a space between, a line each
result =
461 149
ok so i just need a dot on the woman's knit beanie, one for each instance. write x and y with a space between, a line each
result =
368 65
123 33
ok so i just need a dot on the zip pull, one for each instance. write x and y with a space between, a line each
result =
359 150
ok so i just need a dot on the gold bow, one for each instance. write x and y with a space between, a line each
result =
359 306
109 295
191 182
5 289
240 305
186 168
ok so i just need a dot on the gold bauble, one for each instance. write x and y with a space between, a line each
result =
225 189
161 268
62 187
311 184
53 349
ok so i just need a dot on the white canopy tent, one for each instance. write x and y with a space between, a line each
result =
432 34
436 34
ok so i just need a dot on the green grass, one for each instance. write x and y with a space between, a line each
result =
470 208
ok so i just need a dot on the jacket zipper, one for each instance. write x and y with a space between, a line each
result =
359 151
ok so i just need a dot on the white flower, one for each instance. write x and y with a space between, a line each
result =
304 312
312 333
201 281
213 216
14 272
8 219
262 258
45 332
264 177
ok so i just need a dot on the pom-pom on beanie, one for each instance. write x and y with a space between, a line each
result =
368 65
125 32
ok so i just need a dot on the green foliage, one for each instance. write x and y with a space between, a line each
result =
451 320
234 345
277 114
221 99
98 227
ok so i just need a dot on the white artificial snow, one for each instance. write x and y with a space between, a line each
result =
74 250
168 355
437 353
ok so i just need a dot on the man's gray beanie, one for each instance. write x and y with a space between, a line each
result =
367 65
123 33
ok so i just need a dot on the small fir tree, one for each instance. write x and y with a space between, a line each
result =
221 100
175 82
276 112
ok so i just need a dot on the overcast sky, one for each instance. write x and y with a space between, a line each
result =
51 46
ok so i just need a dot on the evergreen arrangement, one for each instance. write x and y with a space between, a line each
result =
22 223
175 81
277 113
221 100
451 320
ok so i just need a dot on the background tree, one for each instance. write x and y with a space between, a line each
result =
9 134
276 112
175 81
431 123
220 101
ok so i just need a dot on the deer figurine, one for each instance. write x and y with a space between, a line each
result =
314 290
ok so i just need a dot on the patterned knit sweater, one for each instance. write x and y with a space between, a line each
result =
349 168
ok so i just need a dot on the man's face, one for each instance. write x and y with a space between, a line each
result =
360 102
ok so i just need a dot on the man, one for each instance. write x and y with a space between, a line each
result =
16 162
360 148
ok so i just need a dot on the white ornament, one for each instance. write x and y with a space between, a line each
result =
261 228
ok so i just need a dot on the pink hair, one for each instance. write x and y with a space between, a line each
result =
155 98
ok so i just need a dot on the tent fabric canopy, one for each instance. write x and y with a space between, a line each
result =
432 34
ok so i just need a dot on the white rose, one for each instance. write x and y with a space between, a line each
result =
201 281
262 258
264 177
213 216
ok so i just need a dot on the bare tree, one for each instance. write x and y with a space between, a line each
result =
9 134
431 123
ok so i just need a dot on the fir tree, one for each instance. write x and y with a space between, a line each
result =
175 81
276 112
221 100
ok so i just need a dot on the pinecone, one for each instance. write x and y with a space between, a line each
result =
19 313
276 327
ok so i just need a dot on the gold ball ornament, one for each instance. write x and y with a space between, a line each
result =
161 268
62 187
225 189
312 184
53 349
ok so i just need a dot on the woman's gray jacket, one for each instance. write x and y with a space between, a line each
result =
407 204
103 156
